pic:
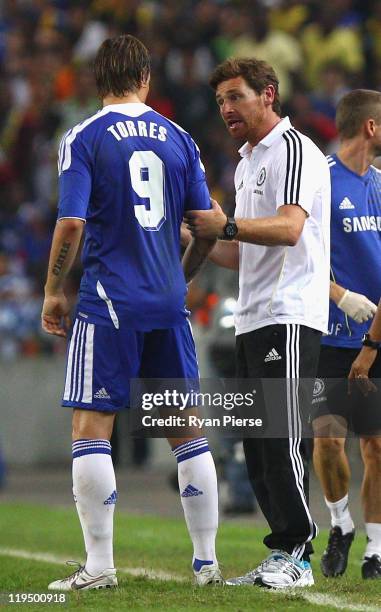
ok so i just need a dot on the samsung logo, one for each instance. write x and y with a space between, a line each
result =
366 223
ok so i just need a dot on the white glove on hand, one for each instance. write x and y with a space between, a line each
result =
357 306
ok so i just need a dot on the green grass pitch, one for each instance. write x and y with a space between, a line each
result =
162 545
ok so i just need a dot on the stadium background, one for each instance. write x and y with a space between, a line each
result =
320 50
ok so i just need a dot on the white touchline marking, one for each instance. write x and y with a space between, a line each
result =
316 598
321 599
57 560
153 574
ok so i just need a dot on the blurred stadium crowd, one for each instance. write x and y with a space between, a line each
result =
319 50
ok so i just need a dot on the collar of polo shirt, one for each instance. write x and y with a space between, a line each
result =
283 125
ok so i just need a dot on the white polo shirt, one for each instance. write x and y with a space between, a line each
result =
284 284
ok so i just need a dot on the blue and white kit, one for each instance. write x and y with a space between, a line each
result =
130 174
355 246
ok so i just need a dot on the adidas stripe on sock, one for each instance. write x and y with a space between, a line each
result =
191 449
90 447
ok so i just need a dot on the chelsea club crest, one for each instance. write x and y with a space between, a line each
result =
261 177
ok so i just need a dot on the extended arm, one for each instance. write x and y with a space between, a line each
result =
355 305
336 292
55 311
375 328
284 228
195 255
366 357
224 253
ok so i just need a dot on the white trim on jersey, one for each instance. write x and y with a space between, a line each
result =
195 143
87 396
177 126
133 109
64 156
70 361
103 295
195 350
61 150
76 363
80 358
80 364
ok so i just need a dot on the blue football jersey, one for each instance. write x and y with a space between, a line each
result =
130 173
355 246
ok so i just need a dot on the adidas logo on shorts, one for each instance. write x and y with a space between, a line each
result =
101 394
272 355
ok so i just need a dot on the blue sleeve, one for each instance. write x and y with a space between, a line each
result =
74 182
197 195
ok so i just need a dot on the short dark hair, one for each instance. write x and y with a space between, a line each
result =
121 65
257 74
356 107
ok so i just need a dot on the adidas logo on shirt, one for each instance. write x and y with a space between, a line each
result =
346 204
111 500
272 355
191 491
101 394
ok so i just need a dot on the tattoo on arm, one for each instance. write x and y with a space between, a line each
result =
196 263
61 258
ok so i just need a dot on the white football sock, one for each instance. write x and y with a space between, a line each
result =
94 490
340 515
199 497
373 547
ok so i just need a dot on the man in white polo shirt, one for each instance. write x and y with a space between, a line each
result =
279 240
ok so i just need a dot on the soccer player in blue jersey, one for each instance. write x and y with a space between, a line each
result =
355 289
126 177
